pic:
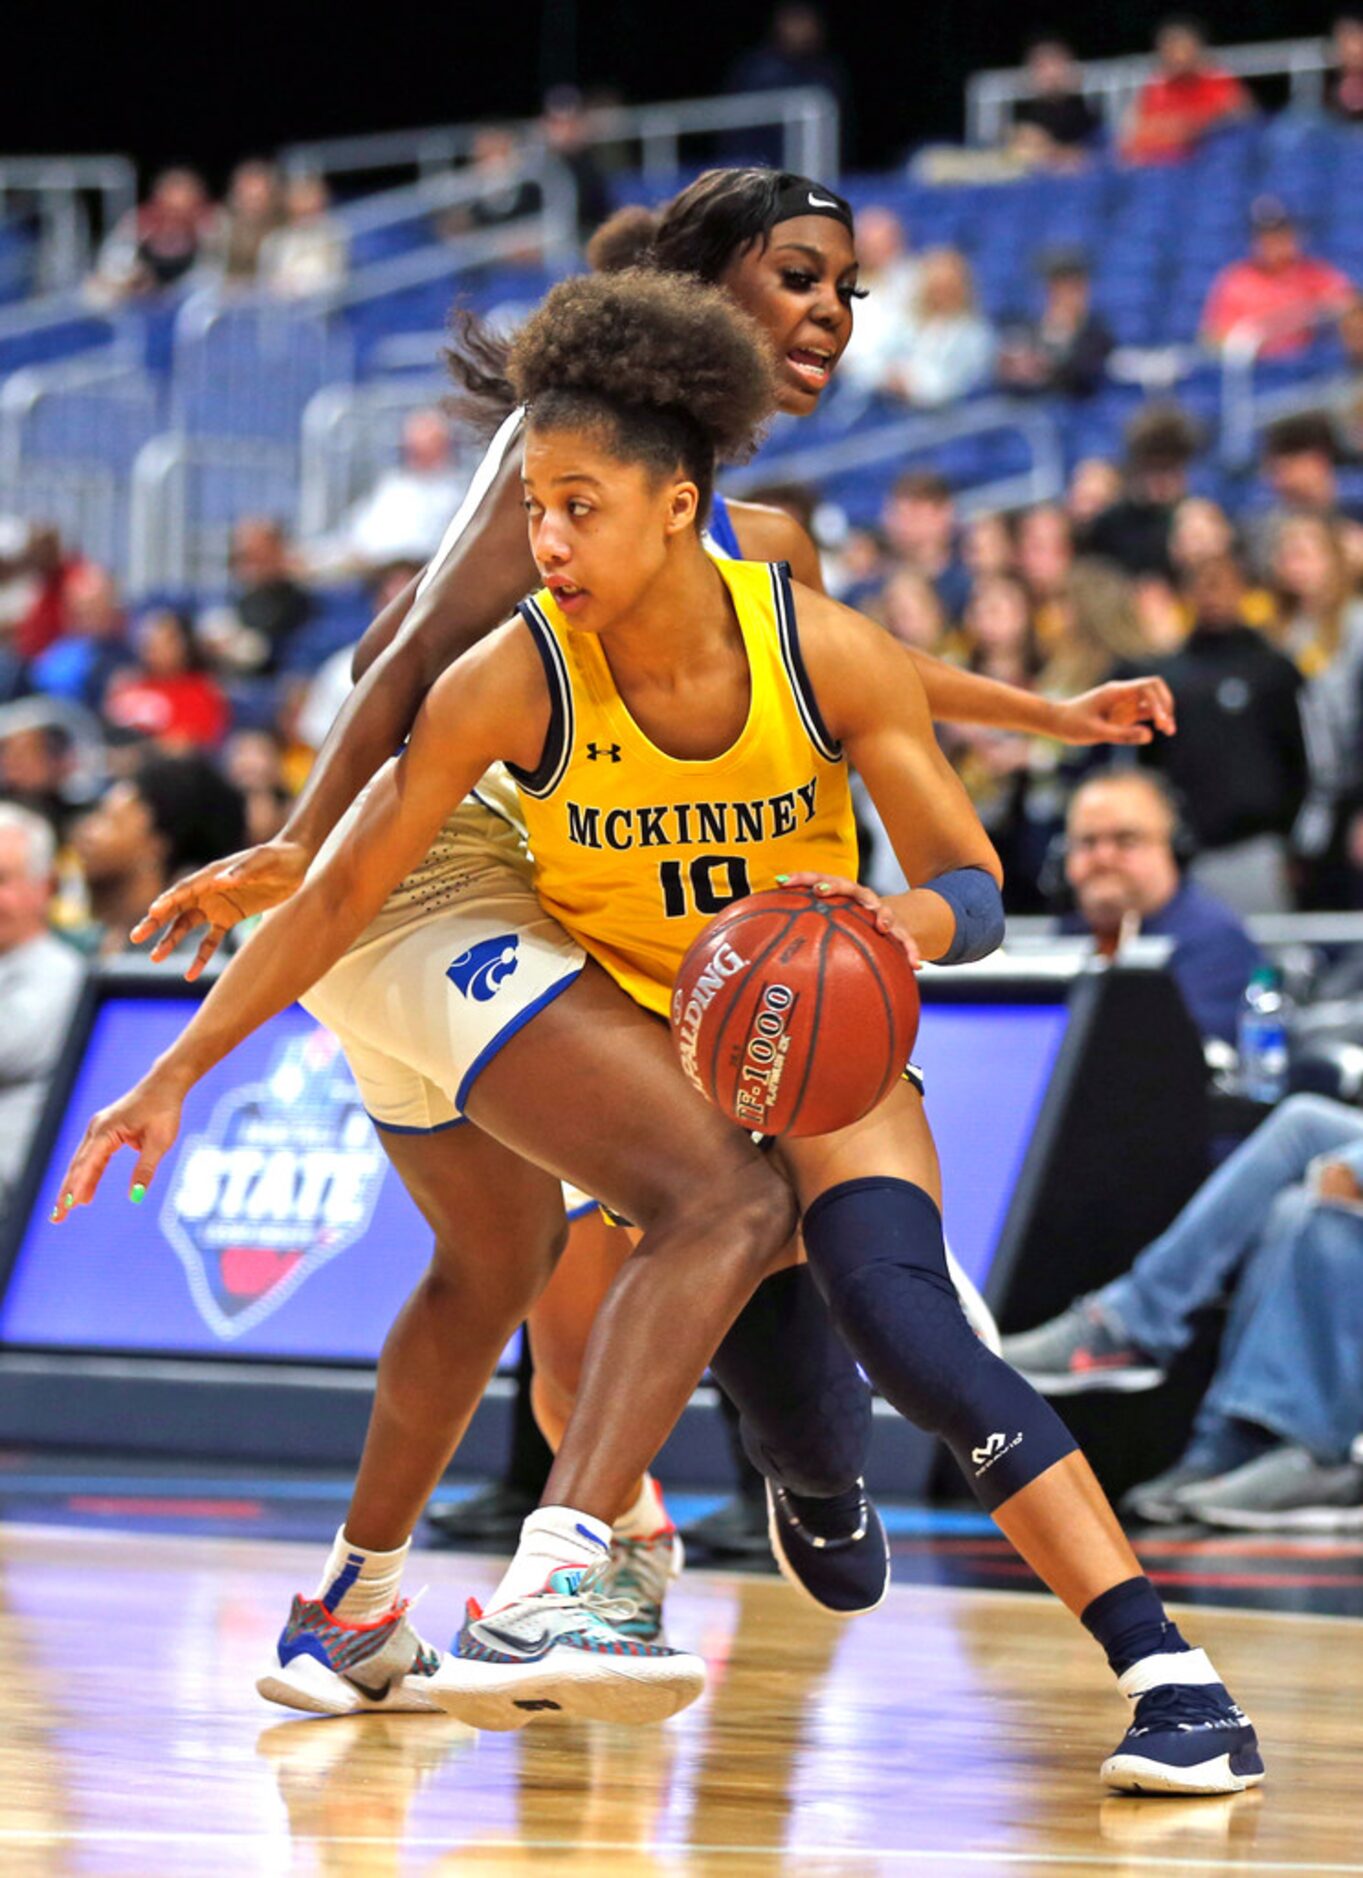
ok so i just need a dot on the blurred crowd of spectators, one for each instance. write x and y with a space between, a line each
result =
1187 97
1255 619
1255 622
272 233
225 696
923 340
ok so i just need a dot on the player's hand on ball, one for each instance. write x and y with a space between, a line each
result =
147 1119
1127 711
219 895
837 888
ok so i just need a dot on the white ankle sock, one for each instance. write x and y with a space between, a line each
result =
647 1516
552 1538
358 1586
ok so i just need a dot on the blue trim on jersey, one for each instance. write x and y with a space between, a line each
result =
558 741
791 657
720 528
508 1031
400 1128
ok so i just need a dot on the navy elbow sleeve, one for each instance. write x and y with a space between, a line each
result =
974 897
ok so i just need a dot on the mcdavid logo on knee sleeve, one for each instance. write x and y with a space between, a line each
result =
993 1450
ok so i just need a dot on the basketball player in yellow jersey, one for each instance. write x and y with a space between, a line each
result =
781 246
638 845
738 705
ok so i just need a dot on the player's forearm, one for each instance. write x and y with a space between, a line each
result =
957 916
926 918
373 721
957 697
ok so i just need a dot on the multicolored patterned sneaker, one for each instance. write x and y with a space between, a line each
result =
1187 1735
327 1667
640 1571
562 1651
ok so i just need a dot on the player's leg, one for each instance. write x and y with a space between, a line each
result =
646 1552
805 1419
498 1226
873 1229
715 1218
561 1319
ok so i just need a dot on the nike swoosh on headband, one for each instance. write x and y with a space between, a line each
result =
820 202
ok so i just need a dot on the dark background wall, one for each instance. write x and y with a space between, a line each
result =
208 83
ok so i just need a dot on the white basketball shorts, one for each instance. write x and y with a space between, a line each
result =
461 957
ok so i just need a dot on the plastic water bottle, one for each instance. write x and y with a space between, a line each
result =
1262 1037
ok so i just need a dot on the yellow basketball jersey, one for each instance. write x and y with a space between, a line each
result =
634 850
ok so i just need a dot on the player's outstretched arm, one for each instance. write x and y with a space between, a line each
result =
1126 711
494 706
874 704
475 586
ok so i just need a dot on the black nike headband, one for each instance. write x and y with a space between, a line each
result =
803 196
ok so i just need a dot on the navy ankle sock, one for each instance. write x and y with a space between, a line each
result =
1129 1623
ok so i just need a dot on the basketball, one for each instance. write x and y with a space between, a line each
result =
793 1014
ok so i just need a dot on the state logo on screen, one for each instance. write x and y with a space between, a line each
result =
282 1180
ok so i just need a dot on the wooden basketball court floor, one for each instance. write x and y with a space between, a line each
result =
954 1731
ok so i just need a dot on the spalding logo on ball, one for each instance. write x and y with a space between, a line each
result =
792 1014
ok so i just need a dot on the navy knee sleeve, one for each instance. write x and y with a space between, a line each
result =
877 1254
804 1406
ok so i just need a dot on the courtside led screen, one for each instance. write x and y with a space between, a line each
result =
276 1229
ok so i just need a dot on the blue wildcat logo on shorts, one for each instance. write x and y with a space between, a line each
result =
478 972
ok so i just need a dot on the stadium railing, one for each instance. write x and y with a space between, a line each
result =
806 117
80 422
351 434
1245 408
887 445
83 504
187 491
62 191
1113 83
410 213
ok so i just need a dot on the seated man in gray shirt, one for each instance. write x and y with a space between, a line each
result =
40 979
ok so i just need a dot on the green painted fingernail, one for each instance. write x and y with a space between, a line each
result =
138 1194
70 1199
781 879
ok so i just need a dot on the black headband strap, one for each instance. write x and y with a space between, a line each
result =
803 196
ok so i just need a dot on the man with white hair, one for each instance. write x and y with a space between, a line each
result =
405 515
40 979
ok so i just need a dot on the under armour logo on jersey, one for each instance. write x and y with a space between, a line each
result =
478 972
595 750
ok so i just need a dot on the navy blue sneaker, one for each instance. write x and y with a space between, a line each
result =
833 1551
1187 1735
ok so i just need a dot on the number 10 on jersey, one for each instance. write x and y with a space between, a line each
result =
710 882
